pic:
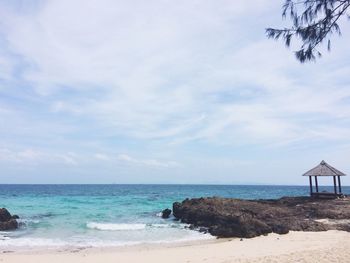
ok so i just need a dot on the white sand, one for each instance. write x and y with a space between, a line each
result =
330 246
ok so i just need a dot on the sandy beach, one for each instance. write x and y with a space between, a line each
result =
330 246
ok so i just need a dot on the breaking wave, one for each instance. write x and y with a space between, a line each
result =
115 227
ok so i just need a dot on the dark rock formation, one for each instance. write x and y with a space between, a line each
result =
4 215
166 213
7 221
224 217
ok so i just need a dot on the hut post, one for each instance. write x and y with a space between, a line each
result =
339 185
310 180
335 185
316 183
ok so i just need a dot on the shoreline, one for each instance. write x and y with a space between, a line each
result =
121 247
328 246
107 249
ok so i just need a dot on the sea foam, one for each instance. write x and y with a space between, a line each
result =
32 242
3 236
114 227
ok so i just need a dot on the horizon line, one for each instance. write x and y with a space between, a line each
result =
184 184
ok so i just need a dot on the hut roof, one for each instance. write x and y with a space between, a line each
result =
324 169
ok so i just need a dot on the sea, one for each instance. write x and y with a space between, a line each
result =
55 216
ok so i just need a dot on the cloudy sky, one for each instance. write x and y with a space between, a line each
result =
165 92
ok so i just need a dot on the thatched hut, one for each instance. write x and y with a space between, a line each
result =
324 169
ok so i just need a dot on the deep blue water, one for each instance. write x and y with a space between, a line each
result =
105 215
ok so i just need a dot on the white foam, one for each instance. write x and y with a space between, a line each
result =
156 233
32 242
120 227
3 237
29 243
28 221
171 225
160 225
115 227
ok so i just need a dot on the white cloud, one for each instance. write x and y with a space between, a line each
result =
125 157
102 157
36 157
69 158
40 157
146 162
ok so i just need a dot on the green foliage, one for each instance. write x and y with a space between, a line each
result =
314 21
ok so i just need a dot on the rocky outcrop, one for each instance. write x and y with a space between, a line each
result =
226 217
7 221
166 213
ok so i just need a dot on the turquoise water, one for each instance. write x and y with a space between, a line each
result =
111 215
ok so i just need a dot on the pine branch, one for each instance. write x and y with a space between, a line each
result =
317 22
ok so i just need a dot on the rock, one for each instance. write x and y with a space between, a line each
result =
9 225
192 227
227 217
7 222
4 215
166 213
203 230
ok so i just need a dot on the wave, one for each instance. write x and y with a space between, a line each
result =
171 225
28 221
23 243
3 236
115 227
121 226
44 215
83 241
32 242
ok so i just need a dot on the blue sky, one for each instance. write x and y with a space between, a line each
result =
165 92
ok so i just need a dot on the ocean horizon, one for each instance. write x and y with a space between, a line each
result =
101 215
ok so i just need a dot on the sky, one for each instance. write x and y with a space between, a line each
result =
165 92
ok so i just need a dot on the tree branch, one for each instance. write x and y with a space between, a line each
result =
316 30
